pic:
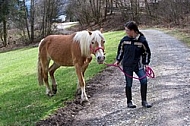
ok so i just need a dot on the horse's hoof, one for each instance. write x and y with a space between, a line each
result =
78 92
83 101
50 94
54 91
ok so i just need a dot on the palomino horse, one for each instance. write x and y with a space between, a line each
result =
69 50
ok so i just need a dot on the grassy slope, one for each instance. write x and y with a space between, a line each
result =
22 100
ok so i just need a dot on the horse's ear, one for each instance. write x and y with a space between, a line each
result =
101 30
89 32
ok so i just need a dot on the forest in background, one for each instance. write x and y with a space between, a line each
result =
23 24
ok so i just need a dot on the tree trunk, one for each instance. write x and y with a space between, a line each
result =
111 5
4 32
26 20
32 21
106 9
44 20
148 8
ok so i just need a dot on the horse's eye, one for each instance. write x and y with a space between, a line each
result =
103 41
93 42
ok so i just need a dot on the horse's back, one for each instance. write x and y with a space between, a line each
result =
58 48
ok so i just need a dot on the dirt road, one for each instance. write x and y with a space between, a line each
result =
169 92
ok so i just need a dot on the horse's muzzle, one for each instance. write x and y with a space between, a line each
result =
100 59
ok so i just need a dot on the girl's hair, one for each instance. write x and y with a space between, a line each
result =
132 25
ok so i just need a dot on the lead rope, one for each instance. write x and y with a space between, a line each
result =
149 72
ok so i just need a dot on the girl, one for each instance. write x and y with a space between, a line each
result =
134 52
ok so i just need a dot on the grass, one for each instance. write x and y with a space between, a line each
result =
23 101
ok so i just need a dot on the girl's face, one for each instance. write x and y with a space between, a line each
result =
129 32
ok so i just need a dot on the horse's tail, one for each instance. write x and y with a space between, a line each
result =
40 71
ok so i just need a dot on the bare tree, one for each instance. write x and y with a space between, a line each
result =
147 8
87 11
32 12
4 7
49 9
26 19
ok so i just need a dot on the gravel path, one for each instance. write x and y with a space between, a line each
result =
169 92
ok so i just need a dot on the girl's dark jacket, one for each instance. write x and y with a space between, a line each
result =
133 52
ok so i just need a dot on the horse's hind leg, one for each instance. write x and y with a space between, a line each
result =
52 69
45 65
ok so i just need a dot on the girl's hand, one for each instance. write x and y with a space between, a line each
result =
146 66
116 63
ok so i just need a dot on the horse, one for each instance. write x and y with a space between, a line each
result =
69 50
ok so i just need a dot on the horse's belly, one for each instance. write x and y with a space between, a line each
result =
64 61
61 56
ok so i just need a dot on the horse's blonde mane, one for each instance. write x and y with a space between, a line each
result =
84 38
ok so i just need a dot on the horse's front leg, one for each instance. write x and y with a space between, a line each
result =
84 67
81 80
86 63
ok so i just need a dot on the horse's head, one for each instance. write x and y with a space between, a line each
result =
97 45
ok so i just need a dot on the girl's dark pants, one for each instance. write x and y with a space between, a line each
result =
140 73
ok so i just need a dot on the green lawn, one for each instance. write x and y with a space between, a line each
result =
23 101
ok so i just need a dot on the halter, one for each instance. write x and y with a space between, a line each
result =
96 49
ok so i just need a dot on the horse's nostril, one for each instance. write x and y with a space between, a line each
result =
98 57
101 58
